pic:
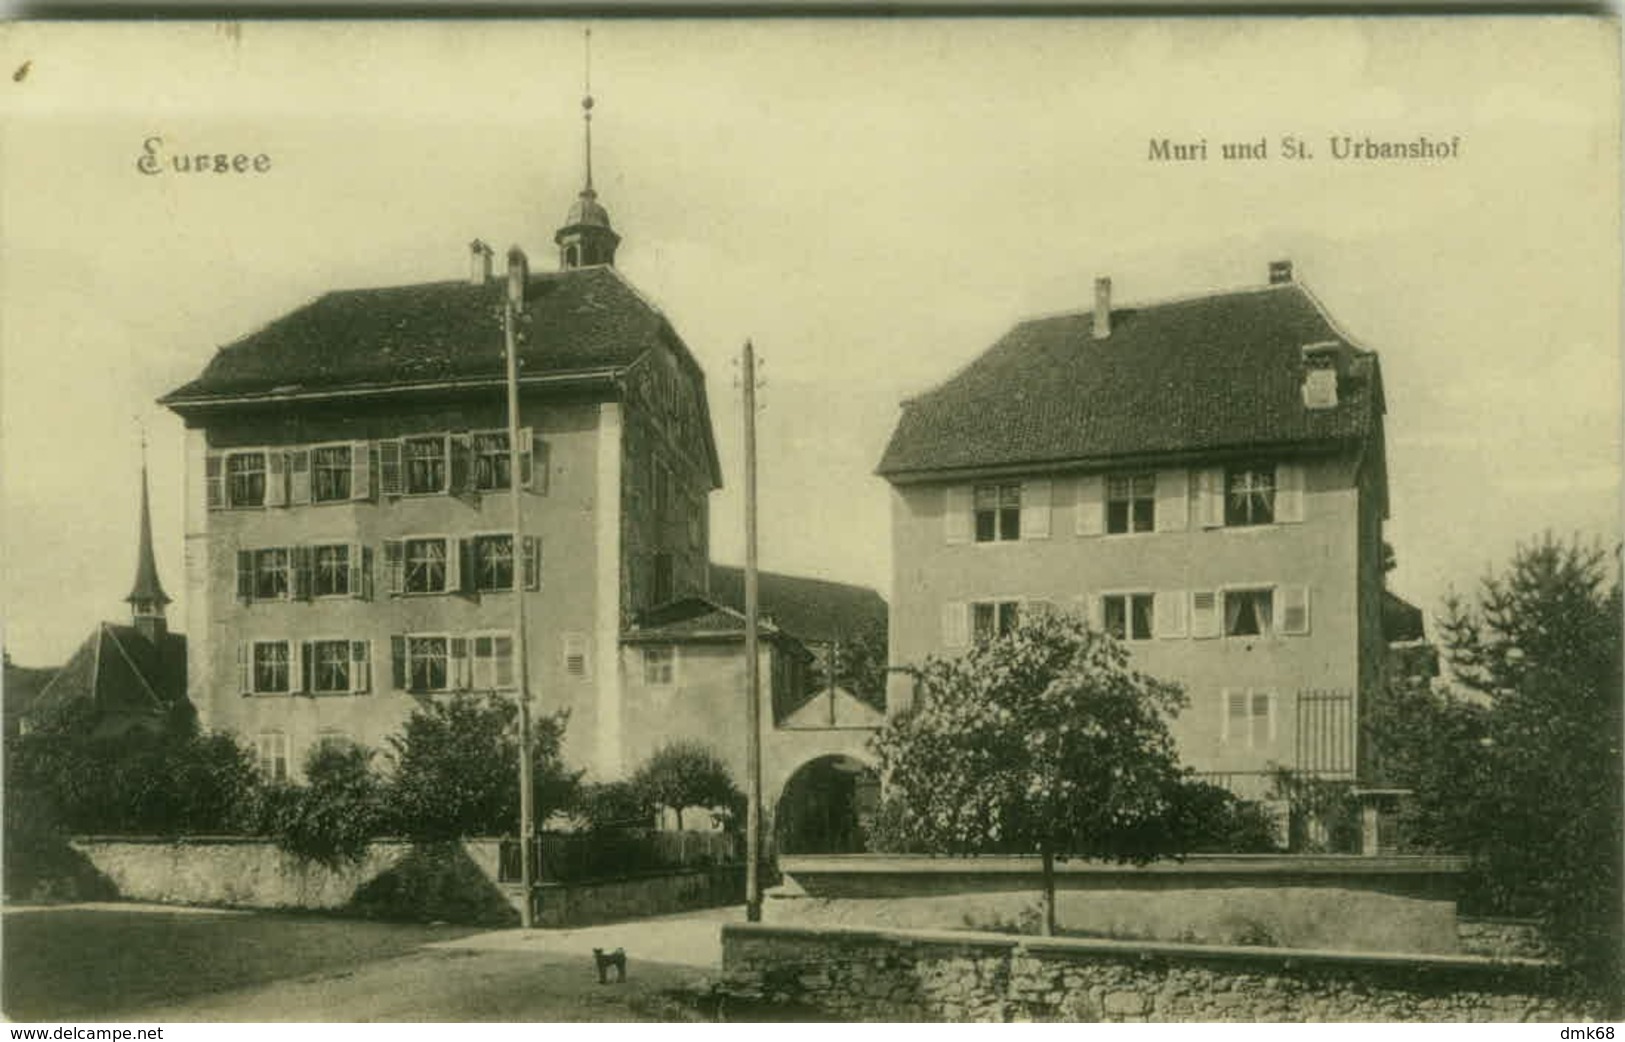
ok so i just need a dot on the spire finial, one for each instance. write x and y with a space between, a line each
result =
586 102
147 597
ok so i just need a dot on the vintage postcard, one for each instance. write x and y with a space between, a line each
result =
953 519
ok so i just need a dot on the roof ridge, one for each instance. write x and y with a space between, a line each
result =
1157 302
125 654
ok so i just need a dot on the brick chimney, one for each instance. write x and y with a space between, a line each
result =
479 263
1280 271
1103 308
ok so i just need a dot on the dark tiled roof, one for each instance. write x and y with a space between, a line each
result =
582 319
696 618
1401 620
808 609
1202 374
23 685
120 673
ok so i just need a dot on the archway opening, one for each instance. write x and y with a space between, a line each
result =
826 807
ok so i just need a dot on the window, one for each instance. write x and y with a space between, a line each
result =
332 571
1128 616
493 562
271 749
1247 612
659 665
271 581
493 661
575 655
271 667
425 566
492 469
1249 496
990 619
998 512
245 479
425 464
330 666
1131 503
426 661
330 470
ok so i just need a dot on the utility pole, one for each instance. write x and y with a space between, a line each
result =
753 707
518 276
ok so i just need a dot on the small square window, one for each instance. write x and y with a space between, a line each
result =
425 464
330 473
332 571
1128 616
1249 496
426 663
1131 503
998 512
425 566
271 580
271 748
245 479
493 661
659 665
493 562
271 667
330 668
992 619
492 462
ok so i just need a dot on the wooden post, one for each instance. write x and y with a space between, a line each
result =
529 853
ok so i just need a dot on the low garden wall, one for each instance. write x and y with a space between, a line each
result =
453 881
1393 904
919 975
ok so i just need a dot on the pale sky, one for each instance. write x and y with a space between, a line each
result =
871 202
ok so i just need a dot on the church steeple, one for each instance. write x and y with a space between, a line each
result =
586 237
147 597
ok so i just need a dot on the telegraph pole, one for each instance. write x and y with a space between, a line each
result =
518 276
753 707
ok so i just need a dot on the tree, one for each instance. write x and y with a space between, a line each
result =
605 805
1042 741
1536 782
334 817
685 774
457 768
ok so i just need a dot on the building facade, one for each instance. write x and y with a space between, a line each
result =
1204 478
349 544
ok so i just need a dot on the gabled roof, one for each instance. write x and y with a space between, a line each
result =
1205 374
581 325
814 610
23 685
120 673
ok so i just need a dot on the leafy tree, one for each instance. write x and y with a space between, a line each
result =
1043 741
335 816
685 774
605 805
457 768
1534 779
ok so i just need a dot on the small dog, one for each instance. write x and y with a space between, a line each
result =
605 960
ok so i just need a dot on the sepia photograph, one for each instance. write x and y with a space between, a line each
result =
997 519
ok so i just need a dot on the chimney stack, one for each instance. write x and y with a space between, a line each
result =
1280 271
1103 308
518 275
479 263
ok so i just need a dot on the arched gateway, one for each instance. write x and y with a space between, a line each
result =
826 806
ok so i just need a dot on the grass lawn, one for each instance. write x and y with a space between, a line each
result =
84 964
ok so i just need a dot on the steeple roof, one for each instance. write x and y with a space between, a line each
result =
147 588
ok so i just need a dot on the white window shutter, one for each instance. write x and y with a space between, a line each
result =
298 652
395 565
298 477
1035 510
1212 492
957 508
1173 511
245 671
356 560
1168 607
214 480
455 550
1289 493
276 479
458 675
532 548
1092 612
1204 613
360 471
360 666
1091 508
1294 609
955 624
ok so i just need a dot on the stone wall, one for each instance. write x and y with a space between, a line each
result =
613 900
937 975
1343 902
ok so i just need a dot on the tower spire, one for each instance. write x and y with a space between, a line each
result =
147 597
586 238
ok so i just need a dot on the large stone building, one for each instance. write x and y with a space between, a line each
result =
1203 477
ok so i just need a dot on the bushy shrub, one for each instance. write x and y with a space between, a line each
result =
331 819
616 804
